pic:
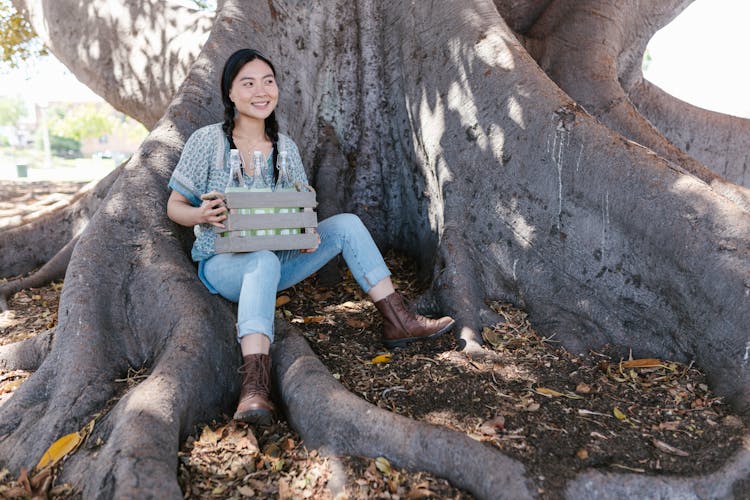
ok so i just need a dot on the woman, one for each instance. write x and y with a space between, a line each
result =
250 94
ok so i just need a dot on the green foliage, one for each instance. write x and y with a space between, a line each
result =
80 122
11 110
18 41
64 147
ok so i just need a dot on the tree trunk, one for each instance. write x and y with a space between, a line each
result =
458 148
720 141
591 48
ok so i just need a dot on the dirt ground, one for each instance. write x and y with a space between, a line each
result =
556 412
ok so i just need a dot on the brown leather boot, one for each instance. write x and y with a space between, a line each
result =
255 405
402 327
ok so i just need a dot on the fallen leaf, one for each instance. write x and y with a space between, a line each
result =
12 386
492 337
582 454
643 363
313 319
59 449
670 426
382 358
356 323
548 392
583 388
282 299
619 415
383 465
208 436
666 448
493 425
246 491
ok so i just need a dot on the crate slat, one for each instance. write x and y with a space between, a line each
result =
276 242
278 199
238 222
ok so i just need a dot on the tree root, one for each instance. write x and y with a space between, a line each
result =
27 354
725 483
53 270
327 415
29 246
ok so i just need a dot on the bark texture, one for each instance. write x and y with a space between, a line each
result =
438 128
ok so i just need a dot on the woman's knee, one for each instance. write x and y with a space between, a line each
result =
343 223
263 261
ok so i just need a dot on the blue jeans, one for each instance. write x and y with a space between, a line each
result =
252 279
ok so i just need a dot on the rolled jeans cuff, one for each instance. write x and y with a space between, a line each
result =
255 325
372 277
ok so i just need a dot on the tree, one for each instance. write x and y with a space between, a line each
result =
503 143
83 122
11 111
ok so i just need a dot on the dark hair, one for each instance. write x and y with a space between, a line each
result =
234 64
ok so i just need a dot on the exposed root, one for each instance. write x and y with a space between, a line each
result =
29 246
53 270
458 290
328 416
27 354
725 483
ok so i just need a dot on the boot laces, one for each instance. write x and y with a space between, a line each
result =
256 378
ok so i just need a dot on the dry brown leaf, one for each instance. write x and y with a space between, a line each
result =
313 319
209 436
356 323
670 426
493 425
551 393
643 363
282 299
583 388
492 337
666 448
246 491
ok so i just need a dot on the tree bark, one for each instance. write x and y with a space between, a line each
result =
722 142
460 149
592 48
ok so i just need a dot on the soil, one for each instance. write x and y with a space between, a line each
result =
556 412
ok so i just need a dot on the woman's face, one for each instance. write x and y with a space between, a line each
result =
254 91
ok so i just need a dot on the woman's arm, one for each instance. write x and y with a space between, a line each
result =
211 210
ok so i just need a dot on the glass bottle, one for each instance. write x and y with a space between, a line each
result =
258 183
236 180
284 183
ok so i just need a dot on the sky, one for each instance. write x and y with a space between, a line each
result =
700 57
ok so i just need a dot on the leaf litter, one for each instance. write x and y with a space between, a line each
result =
557 412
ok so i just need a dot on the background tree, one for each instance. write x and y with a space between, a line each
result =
501 143
11 111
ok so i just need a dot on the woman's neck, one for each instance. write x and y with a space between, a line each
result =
249 130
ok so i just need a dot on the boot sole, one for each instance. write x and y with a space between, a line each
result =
392 344
255 417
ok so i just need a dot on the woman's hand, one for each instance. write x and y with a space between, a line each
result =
310 250
213 210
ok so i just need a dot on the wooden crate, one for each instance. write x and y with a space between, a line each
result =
237 224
